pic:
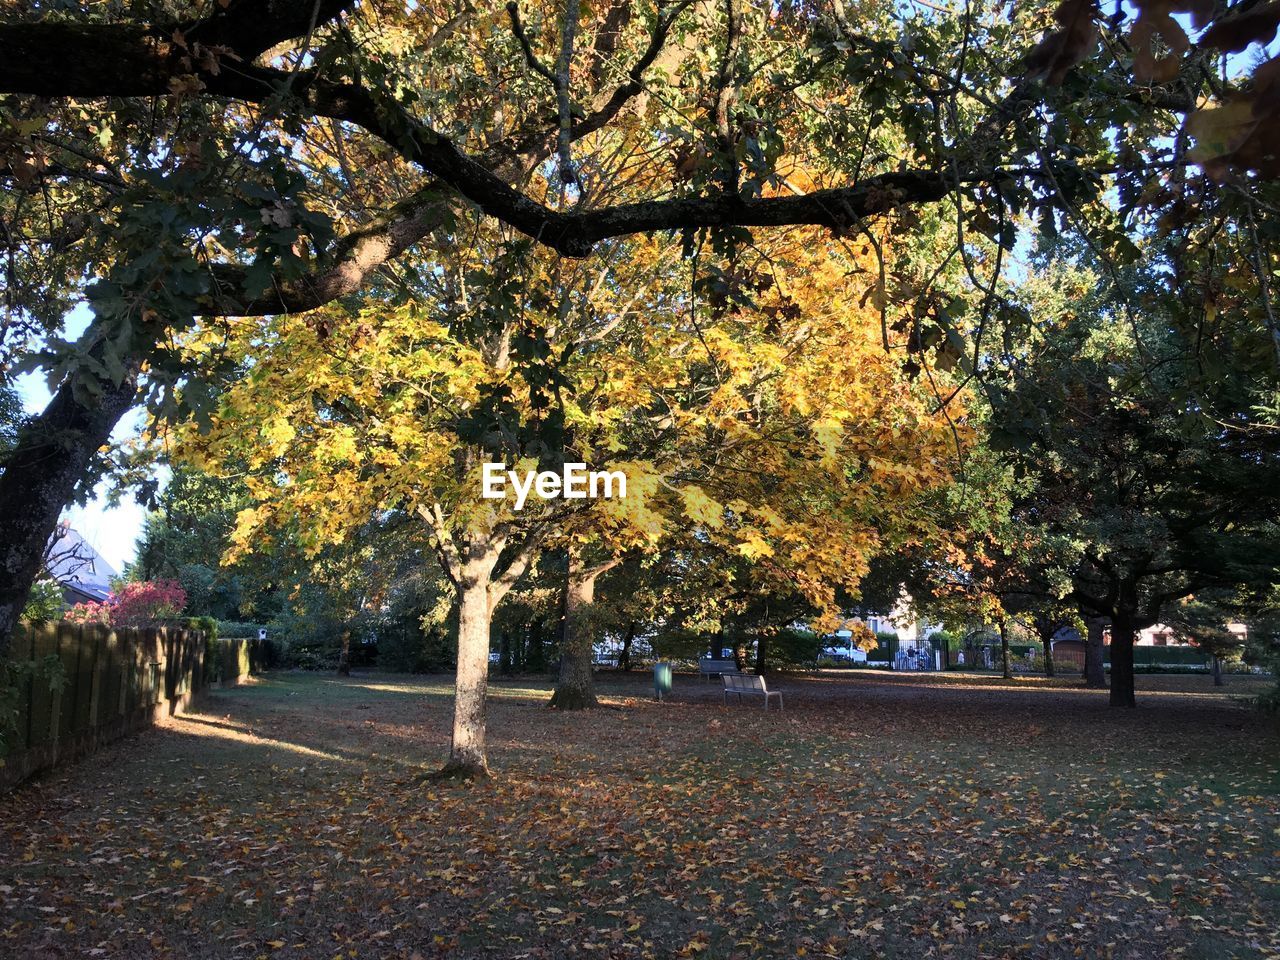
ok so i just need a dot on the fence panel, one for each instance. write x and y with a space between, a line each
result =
113 681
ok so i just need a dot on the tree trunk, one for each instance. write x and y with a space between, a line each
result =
1004 650
1123 634
467 756
504 653
344 655
519 653
535 659
575 687
1095 672
52 455
762 654
1218 681
1046 629
624 657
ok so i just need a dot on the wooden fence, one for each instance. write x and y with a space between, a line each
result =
111 682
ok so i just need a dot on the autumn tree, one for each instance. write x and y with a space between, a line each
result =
168 161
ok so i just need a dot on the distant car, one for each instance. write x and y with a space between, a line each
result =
837 654
495 656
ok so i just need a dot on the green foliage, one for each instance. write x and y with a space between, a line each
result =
886 646
239 628
1149 656
45 603
794 648
945 640
11 419
14 677
406 645
184 539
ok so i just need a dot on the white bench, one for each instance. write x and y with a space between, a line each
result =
740 683
711 667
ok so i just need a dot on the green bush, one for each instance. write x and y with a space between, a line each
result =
793 648
886 646
1165 656
239 628
44 604
403 646
945 640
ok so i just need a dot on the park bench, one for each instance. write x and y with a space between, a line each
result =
741 683
711 667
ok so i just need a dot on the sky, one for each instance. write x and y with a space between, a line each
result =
112 531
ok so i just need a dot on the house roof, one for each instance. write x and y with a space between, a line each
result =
71 560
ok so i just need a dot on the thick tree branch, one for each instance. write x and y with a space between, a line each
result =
133 62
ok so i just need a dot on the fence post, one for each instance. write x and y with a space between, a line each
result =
95 682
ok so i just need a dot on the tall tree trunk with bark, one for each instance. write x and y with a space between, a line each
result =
471 561
467 755
344 655
575 687
762 654
1123 634
535 658
504 653
1006 666
1218 681
52 455
1095 671
624 657
1046 627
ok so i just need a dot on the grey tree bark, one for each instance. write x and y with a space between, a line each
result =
52 456
1095 674
575 687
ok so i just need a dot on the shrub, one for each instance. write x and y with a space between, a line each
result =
45 602
239 628
886 643
139 604
145 603
91 612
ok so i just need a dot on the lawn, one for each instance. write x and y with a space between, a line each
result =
881 816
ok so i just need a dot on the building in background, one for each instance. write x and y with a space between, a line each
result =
77 568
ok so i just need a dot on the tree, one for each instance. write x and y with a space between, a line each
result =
1205 621
45 603
184 539
1151 483
251 158
753 417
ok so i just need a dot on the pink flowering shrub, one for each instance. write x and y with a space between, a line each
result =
136 605
91 612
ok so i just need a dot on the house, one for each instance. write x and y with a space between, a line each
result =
1161 635
79 570
912 634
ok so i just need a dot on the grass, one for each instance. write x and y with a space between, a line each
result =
883 815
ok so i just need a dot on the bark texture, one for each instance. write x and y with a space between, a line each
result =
575 687
1123 633
344 655
1095 674
467 754
53 454
1006 666
624 657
